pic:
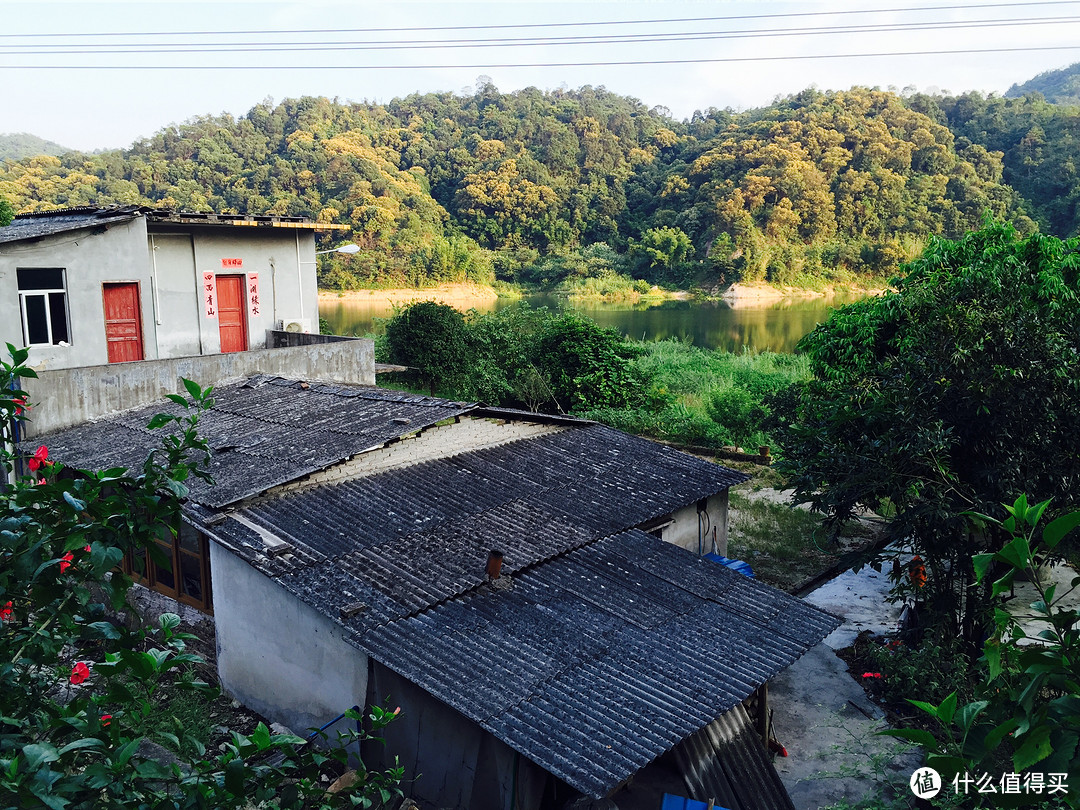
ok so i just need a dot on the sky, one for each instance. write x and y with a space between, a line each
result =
145 65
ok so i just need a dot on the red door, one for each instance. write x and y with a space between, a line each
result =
123 324
232 314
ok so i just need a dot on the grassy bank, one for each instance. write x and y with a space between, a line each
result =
710 398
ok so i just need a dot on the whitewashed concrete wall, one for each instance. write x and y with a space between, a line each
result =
283 258
276 654
683 530
65 397
89 259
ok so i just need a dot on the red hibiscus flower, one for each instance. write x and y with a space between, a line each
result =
871 674
65 562
86 548
105 718
5 613
20 404
39 459
79 673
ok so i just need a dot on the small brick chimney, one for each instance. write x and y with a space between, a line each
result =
494 564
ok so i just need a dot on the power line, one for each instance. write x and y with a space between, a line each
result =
508 42
576 24
613 63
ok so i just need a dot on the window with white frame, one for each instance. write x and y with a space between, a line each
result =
43 302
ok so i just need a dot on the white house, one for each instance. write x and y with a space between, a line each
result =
90 286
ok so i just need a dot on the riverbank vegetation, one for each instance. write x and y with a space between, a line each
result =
936 404
560 362
594 193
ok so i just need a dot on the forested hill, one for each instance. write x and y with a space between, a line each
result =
544 186
1060 86
19 145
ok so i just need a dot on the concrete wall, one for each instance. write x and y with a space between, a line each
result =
276 654
89 259
66 397
683 530
167 263
283 258
179 304
277 339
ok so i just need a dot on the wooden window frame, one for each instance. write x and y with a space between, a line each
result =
174 552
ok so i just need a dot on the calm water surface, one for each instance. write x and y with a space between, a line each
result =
774 327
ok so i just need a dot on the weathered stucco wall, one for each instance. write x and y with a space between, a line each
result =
683 530
65 397
179 305
89 259
276 654
283 258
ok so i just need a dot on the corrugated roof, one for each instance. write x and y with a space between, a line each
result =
610 647
599 661
263 432
48 223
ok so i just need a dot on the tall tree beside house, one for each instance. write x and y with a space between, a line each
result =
79 690
943 397
7 213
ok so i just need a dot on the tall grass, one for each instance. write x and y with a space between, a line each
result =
713 397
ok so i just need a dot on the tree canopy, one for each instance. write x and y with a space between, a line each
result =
947 395
445 187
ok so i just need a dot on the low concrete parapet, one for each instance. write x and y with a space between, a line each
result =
61 398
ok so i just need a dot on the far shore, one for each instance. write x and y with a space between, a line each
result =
453 294
465 295
749 295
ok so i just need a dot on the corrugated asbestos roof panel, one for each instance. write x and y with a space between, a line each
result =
36 226
421 534
264 432
595 662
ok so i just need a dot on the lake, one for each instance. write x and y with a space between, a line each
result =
773 326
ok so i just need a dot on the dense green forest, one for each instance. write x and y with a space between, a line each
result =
1060 86
576 186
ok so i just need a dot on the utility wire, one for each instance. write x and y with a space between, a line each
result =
576 24
713 60
508 42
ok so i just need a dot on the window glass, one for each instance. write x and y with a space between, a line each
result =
40 278
37 320
191 576
44 303
58 317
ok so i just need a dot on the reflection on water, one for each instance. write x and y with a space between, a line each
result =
774 326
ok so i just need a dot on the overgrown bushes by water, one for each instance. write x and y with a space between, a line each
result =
711 397
561 362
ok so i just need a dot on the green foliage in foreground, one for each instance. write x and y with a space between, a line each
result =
80 693
960 387
1027 717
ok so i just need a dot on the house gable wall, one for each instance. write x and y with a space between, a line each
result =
276 654
89 260
286 284
684 527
